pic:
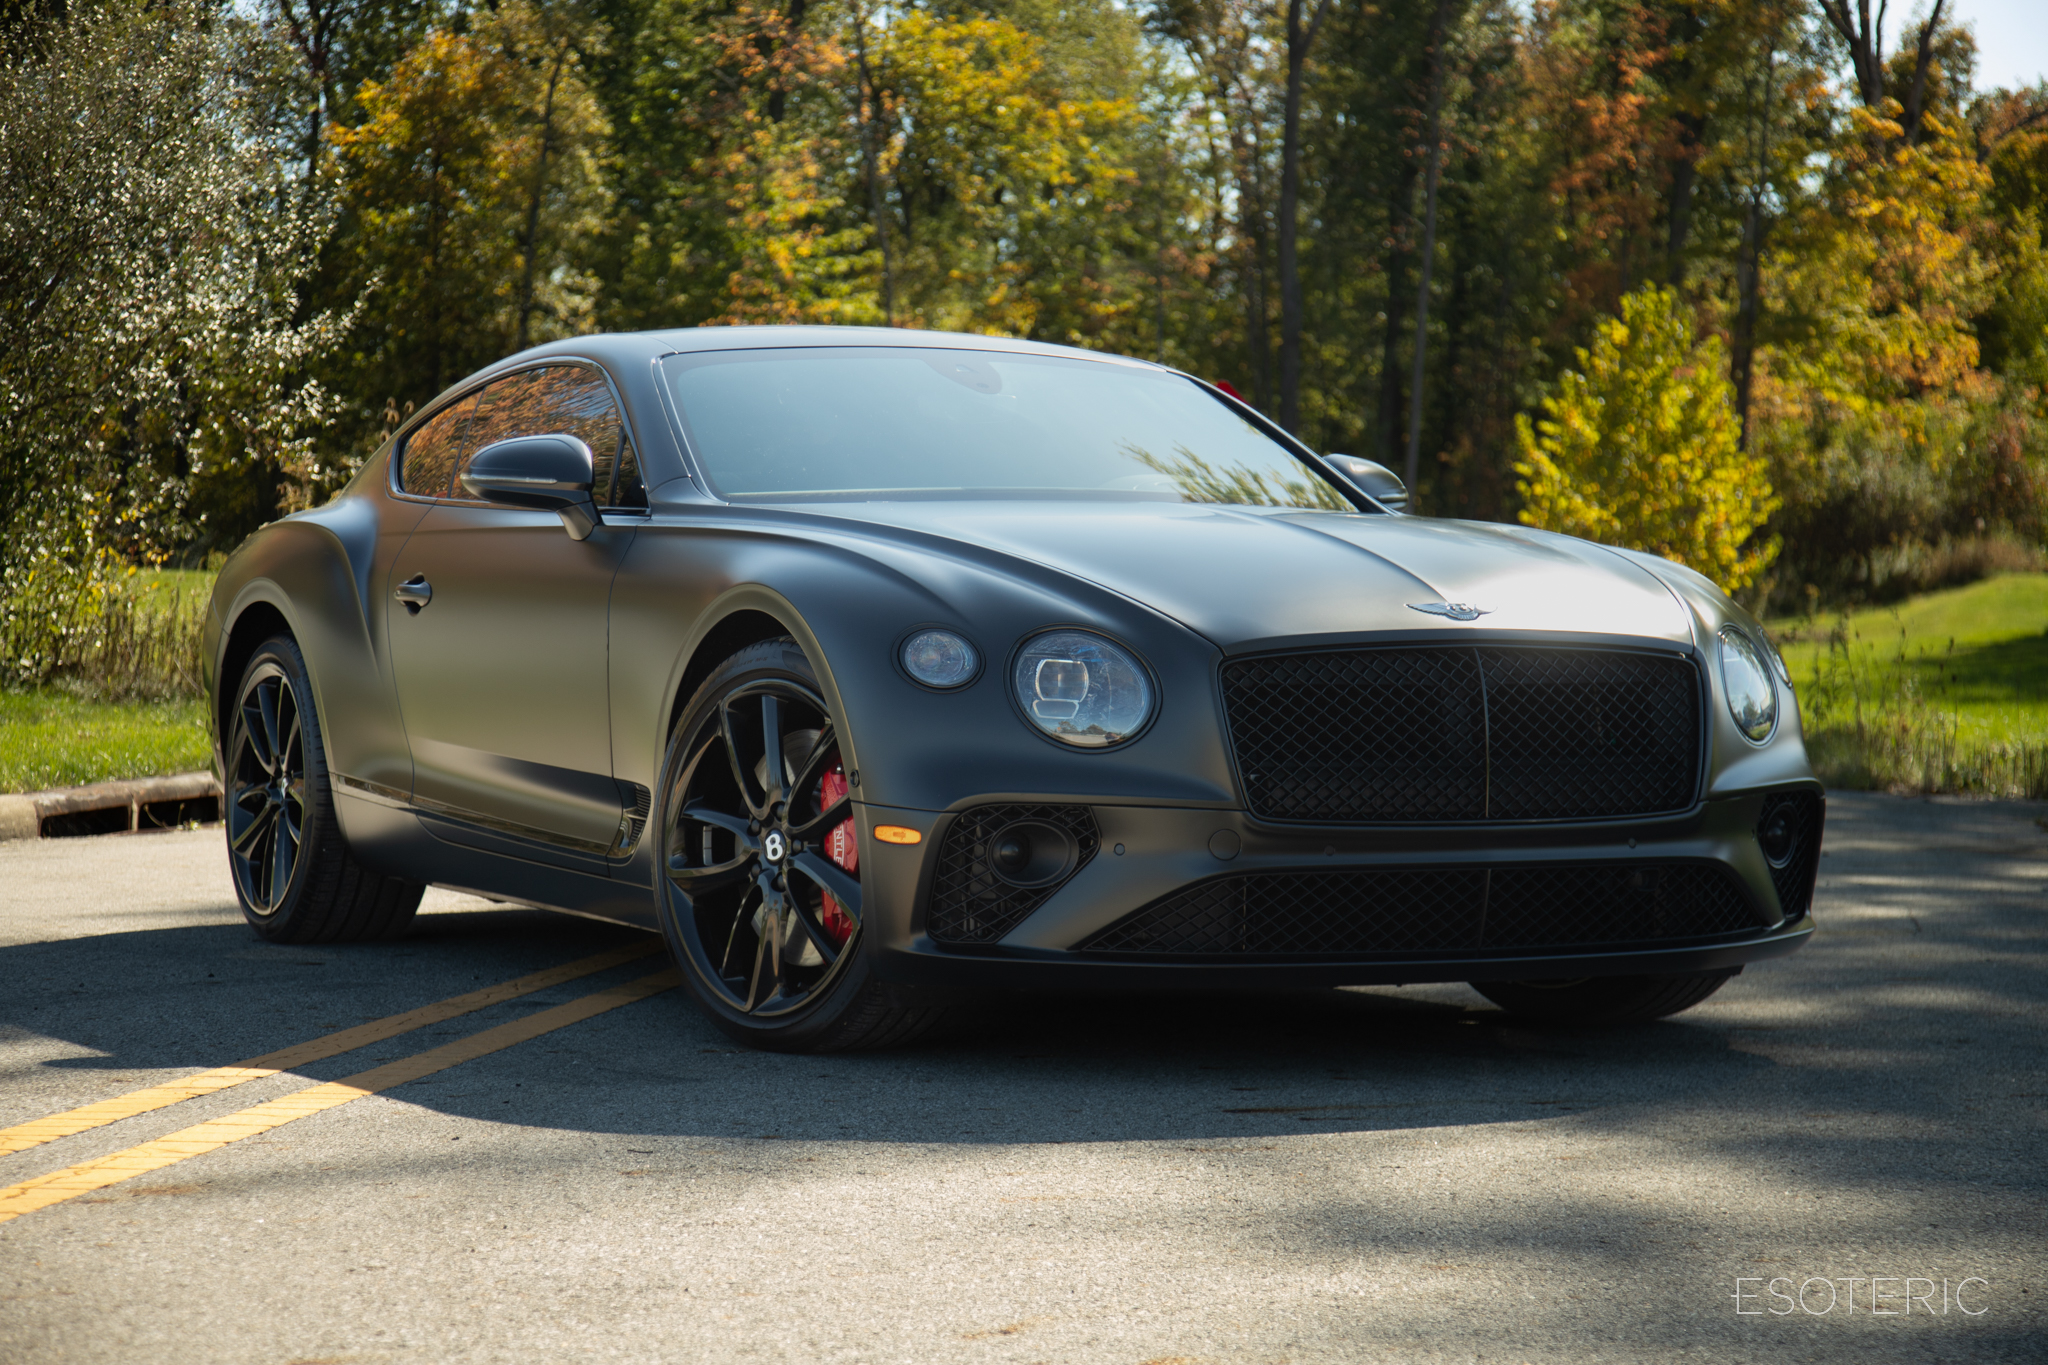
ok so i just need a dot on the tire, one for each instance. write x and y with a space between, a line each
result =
293 873
768 934
1603 999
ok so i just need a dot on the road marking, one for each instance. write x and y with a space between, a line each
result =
58 1186
23 1136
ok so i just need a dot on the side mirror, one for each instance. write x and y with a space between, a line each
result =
1373 479
549 473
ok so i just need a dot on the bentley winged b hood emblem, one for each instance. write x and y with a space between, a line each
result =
1456 611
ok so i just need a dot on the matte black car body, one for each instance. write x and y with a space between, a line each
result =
506 738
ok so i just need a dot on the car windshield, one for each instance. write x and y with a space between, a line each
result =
888 423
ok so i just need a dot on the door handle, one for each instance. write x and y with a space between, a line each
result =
415 592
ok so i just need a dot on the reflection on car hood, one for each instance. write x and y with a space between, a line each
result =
1239 575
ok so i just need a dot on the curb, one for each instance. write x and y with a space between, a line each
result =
142 804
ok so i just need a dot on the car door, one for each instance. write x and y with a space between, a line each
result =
500 650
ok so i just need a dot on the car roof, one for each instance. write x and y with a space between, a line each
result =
642 346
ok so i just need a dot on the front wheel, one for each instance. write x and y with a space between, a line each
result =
294 875
760 893
1604 999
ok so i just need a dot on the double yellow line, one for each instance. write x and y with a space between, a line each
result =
54 1188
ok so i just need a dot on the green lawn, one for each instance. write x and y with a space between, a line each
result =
48 739
1979 651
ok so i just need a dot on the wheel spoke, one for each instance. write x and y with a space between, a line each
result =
718 819
266 701
732 934
829 875
699 881
245 842
815 931
812 770
744 780
771 741
824 821
767 948
284 851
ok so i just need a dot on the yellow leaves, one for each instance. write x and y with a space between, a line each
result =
1640 447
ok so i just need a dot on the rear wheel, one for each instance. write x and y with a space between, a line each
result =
294 875
761 895
1604 999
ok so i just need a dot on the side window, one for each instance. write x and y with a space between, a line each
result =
573 400
503 410
427 465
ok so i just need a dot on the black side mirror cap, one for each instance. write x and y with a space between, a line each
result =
1373 479
548 473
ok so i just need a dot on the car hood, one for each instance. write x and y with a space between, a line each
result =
1241 576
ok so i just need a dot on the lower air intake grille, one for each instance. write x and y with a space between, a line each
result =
970 903
1794 874
1434 911
1446 735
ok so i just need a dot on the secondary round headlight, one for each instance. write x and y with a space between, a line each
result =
939 658
1081 689
1752 698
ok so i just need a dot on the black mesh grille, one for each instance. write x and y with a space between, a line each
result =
1434 911
1794 874
969 902
1446 735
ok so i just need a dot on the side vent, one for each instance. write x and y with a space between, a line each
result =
633 820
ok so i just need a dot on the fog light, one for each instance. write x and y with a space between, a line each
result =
1031 853
1776 836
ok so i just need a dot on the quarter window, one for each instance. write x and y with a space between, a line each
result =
432 452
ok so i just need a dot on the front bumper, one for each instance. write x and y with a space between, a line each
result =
1148 854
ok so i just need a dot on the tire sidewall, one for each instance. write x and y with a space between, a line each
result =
814 1026
282 652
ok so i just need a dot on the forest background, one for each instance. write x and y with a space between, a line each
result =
1721 278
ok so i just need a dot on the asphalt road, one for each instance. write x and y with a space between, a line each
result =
1344 1176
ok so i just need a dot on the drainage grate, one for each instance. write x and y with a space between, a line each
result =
1457 910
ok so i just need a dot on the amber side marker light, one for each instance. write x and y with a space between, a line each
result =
898 834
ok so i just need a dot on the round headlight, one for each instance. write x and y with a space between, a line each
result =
1752 698
1081 689
939 658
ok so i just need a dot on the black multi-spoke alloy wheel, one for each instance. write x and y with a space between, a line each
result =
760 892
293 872
1604 999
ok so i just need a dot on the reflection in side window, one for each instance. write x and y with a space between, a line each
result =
432 452
572 400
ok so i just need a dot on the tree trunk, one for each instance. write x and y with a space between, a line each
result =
1438 34
529 244
1300 38
1749 263
1387 412
877 211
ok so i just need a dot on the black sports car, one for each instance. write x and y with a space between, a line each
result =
874 667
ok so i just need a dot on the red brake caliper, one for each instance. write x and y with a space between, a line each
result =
841 849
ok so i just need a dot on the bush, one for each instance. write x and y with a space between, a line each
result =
1641 447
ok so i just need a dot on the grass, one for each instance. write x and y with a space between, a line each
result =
126 703
1943 692
49 738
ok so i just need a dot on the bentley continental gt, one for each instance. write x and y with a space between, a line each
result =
875 668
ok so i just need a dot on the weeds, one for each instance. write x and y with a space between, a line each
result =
1877 727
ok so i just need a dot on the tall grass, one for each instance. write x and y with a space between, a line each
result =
1876 727
134 638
